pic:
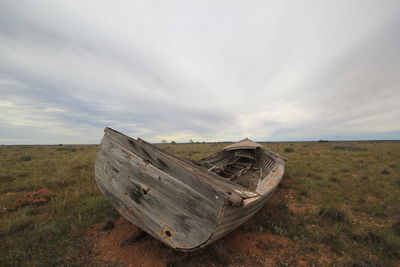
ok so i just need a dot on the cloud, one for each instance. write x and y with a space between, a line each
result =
207 71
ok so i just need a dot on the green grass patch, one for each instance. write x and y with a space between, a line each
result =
337 200
53 233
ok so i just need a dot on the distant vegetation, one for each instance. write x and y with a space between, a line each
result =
26 158
338 204
349 148
72 149
289 149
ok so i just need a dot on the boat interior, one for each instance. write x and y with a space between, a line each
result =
245 167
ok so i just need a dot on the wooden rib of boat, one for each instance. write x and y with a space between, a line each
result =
184 203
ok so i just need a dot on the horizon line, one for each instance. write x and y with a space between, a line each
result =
213 142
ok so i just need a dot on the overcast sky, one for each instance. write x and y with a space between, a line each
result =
200 70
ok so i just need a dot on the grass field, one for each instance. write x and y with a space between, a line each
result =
338 204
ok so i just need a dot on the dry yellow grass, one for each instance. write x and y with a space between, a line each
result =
338 203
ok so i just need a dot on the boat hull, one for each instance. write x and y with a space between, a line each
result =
175 201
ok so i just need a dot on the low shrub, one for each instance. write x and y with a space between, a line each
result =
26 158
334 180
385 172
333 241
66 149
349 148
6 179
333 215
396 227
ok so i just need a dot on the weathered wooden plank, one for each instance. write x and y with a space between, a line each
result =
231 214
164 151
269 166
235 223
225 229
166 187
149 204
163 162
149 173
237 211
273 178
191 174
125 210
184 231
218 235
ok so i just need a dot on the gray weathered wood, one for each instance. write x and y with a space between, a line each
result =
178 201
166 187
189 173
156 214
172 166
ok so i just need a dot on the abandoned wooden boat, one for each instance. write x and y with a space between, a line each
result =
184 203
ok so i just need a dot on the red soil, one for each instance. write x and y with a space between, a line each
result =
253 243
36 198
238 248
146 252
